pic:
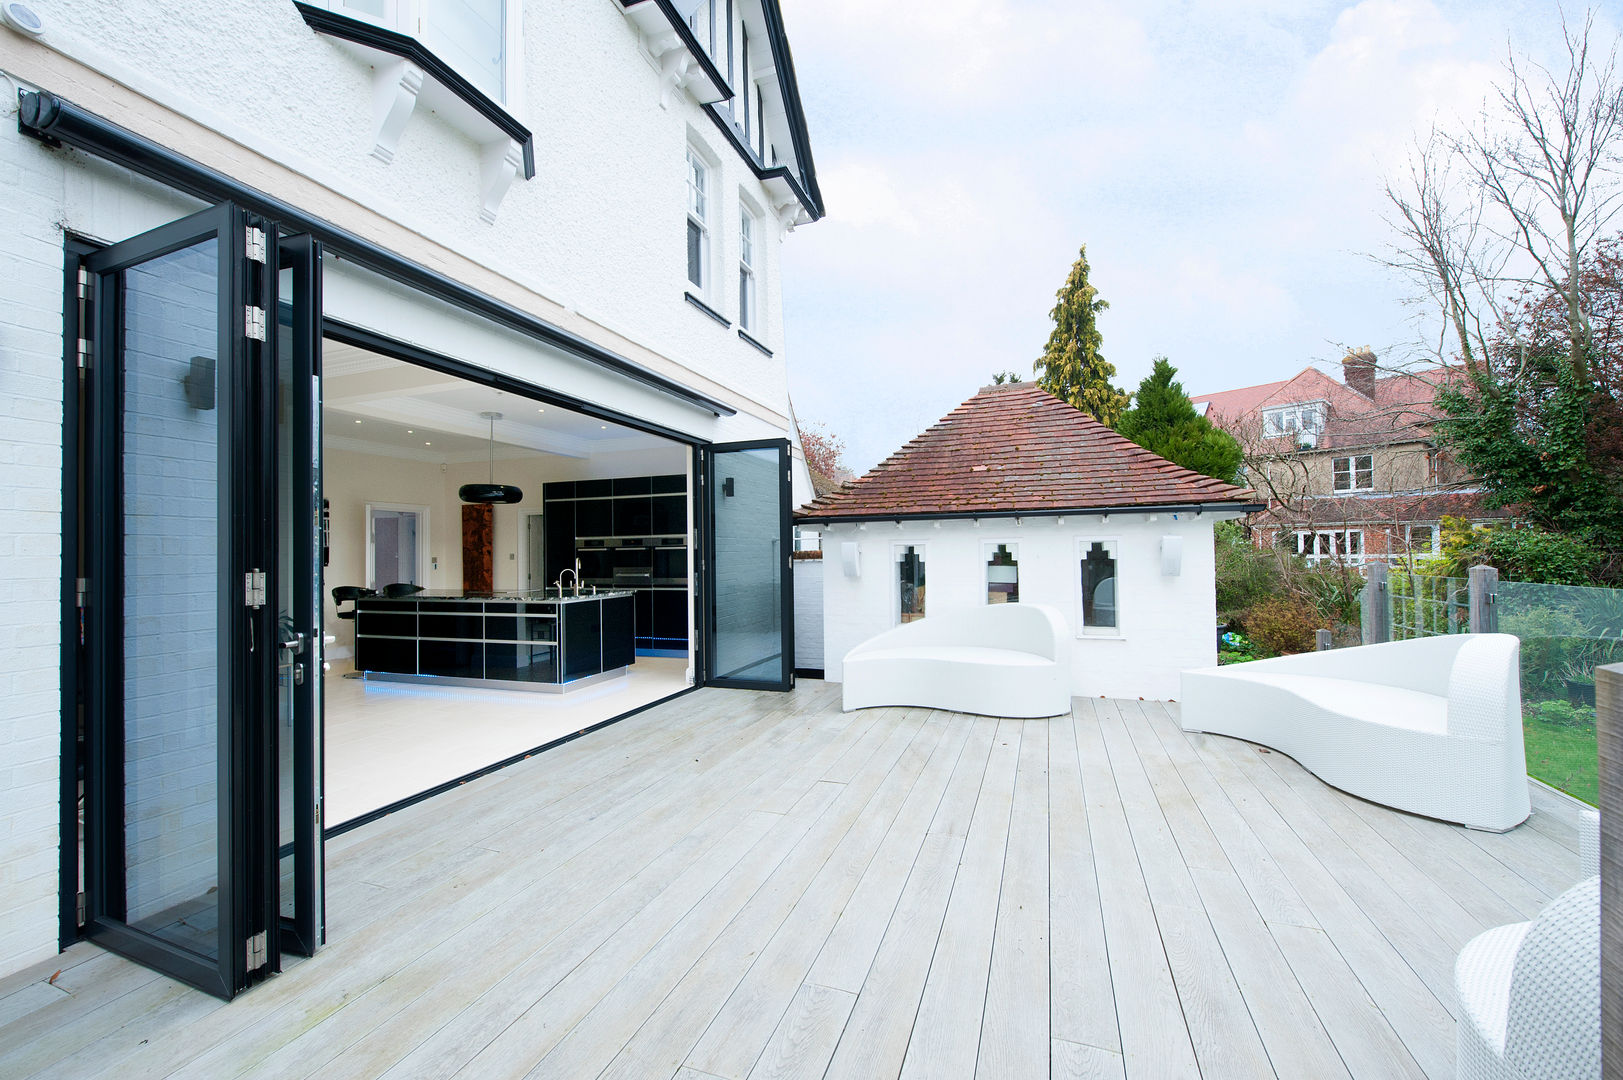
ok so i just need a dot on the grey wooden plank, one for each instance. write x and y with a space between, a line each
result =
845 959
1155 1040
853 828
1077 1061
1220 1025
751 1016
804 1041
1292 1033
1082 998
1015 1031
874 1041
946 1034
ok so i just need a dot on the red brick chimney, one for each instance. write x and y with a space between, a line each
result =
1358 371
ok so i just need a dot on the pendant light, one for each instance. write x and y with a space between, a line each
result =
491 492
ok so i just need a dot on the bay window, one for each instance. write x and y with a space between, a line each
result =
471 36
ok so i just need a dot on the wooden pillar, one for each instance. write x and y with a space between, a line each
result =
1483 582
1609 731
478 547
1377 606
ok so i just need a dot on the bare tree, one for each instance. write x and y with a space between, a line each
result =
1516 204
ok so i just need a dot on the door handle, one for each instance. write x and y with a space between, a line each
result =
294 647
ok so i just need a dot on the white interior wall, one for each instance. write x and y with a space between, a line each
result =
1167 623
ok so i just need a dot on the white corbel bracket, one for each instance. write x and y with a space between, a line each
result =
675 67
500 163
395 87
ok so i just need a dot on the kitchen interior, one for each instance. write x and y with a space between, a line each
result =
499 573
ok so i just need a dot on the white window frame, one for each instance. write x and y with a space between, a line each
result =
749 273
1295 418
411 17
1083 544
1334 548
424 560
897 551
988 549
700 203
1350 472
1436 539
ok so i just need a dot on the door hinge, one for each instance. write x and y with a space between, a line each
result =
253 322
79 909
256 244
253 583
84 353
258 951
84 283
80 587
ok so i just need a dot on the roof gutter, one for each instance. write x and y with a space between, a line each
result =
47 117
977 515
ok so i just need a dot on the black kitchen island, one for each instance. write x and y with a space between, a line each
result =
512 640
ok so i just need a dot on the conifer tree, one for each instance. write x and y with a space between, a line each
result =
1070 367
1163 421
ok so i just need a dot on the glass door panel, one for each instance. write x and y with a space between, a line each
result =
171 672
749 588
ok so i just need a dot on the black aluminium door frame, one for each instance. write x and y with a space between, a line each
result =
300 256
242 903
707 614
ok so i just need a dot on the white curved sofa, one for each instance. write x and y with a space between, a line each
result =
1432 726
997 660
1529 993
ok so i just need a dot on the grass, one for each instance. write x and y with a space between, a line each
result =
1563 757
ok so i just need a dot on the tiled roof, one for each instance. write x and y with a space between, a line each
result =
1383 507
1402 410
1016 448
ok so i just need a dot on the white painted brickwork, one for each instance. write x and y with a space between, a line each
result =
594 242
1167 623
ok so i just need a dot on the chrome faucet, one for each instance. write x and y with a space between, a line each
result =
560 582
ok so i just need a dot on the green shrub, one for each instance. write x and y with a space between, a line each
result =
1530 554
1562 713
1282 625
1246 574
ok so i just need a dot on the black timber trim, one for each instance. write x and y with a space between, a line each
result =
799 137
991 515
684 32
777 172
450 785
361 32
52 120
707 309
372 341
744 336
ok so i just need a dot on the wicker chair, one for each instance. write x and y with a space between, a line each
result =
1529 993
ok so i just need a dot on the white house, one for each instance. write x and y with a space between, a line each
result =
1016 496
457 307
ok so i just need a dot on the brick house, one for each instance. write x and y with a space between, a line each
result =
1350 469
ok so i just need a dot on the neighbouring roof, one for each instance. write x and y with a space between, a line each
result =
1402 409
1380 508
1014 449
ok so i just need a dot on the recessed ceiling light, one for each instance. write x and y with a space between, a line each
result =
357 421
409 431
605 427
540 410
428 444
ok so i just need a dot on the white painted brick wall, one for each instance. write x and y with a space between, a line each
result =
808 613
30 546
1168 623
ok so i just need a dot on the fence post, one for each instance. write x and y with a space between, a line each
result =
1483 588
1377 606
1321 640
1609 732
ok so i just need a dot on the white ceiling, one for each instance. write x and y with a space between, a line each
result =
375 404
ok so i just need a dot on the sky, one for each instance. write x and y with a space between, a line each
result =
1222 160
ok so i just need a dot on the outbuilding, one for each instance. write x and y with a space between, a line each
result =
1018 497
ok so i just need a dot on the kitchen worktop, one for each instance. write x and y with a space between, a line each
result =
548 596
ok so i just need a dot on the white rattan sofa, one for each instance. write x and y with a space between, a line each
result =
1432 726
997 660
1529 993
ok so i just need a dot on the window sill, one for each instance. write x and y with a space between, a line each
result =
406 70
707 309
744 336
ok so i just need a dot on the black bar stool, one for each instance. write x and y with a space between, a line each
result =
350 593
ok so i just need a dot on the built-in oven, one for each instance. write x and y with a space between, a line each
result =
671 563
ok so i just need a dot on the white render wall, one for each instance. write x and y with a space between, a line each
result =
595 243
1167 623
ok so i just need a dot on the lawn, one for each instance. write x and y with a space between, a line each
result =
1563 757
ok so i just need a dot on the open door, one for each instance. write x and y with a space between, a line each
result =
748 597
197 529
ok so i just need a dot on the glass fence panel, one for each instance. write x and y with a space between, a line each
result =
1566 632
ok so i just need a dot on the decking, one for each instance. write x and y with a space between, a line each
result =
756 885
